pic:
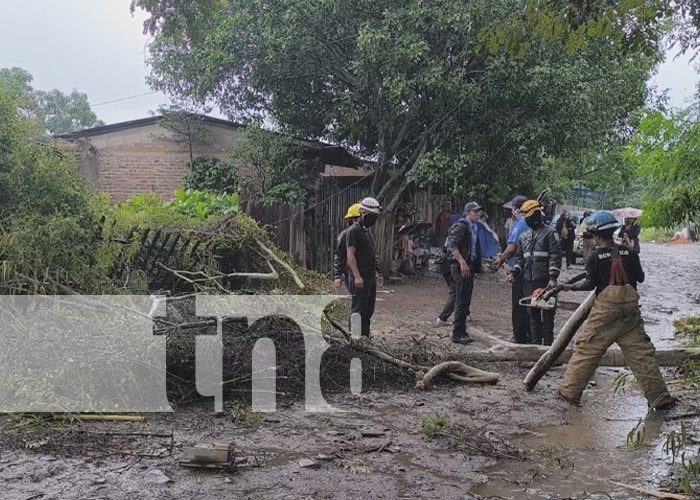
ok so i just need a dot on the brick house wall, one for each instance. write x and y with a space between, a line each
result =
140 157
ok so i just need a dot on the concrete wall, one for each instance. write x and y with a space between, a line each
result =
144 159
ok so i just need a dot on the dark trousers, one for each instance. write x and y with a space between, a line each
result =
568 248
521 320
363 300
449 307
541 320
463 288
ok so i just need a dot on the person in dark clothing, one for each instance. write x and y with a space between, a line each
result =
613 271
340 259
519 316
362 264
566 232
449 306
629 234
538 259
465 259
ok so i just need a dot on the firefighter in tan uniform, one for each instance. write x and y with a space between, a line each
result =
613 271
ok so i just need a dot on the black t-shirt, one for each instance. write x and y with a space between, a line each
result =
599 263
358 237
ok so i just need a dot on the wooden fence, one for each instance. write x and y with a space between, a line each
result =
309 234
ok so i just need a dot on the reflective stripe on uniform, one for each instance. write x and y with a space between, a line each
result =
526 255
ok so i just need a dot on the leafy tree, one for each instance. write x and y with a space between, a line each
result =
274 167
54 111
403 82
212 175
48 214
666 152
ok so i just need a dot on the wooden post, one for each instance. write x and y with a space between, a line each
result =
560 343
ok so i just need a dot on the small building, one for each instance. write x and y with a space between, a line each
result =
151 155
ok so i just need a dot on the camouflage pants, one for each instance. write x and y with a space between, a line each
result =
615 318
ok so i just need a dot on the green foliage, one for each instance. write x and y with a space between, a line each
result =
189 208
49 217
403 82
635 437
243 416
53 110
657 235
212 175
666 153
203 206
629 25
689 329
434 426
276 169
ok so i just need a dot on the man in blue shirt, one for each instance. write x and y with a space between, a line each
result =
519 317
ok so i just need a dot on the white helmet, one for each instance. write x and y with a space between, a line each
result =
370 206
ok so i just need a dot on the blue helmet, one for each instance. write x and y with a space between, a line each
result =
601 221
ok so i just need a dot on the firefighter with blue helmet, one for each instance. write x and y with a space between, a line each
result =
613 271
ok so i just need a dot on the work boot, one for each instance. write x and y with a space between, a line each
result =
462 340
569 400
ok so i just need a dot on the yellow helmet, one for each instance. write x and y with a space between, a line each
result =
530 207
353 211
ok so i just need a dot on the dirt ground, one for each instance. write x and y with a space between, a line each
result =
371 449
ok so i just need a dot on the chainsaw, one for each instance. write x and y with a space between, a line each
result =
546 298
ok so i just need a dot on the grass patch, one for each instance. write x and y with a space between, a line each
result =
434 426
244 416
360 467
657 234
689 329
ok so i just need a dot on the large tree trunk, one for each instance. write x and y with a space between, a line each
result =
503 351
384 237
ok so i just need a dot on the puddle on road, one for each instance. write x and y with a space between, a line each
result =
583 456
671 289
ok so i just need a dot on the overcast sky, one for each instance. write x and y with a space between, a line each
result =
97 46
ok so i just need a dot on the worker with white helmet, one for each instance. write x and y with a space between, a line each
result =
362 264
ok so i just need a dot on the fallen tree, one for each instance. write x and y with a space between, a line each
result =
503 351
425 375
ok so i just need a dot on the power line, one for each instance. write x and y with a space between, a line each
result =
124 99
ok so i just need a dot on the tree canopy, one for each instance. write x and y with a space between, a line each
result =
406 83
629 25
666 152
53 110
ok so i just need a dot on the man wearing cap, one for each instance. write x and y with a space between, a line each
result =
465 259
521 323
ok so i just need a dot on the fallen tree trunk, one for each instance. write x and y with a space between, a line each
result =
614 357
560 342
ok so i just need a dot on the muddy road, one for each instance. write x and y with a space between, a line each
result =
495 441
